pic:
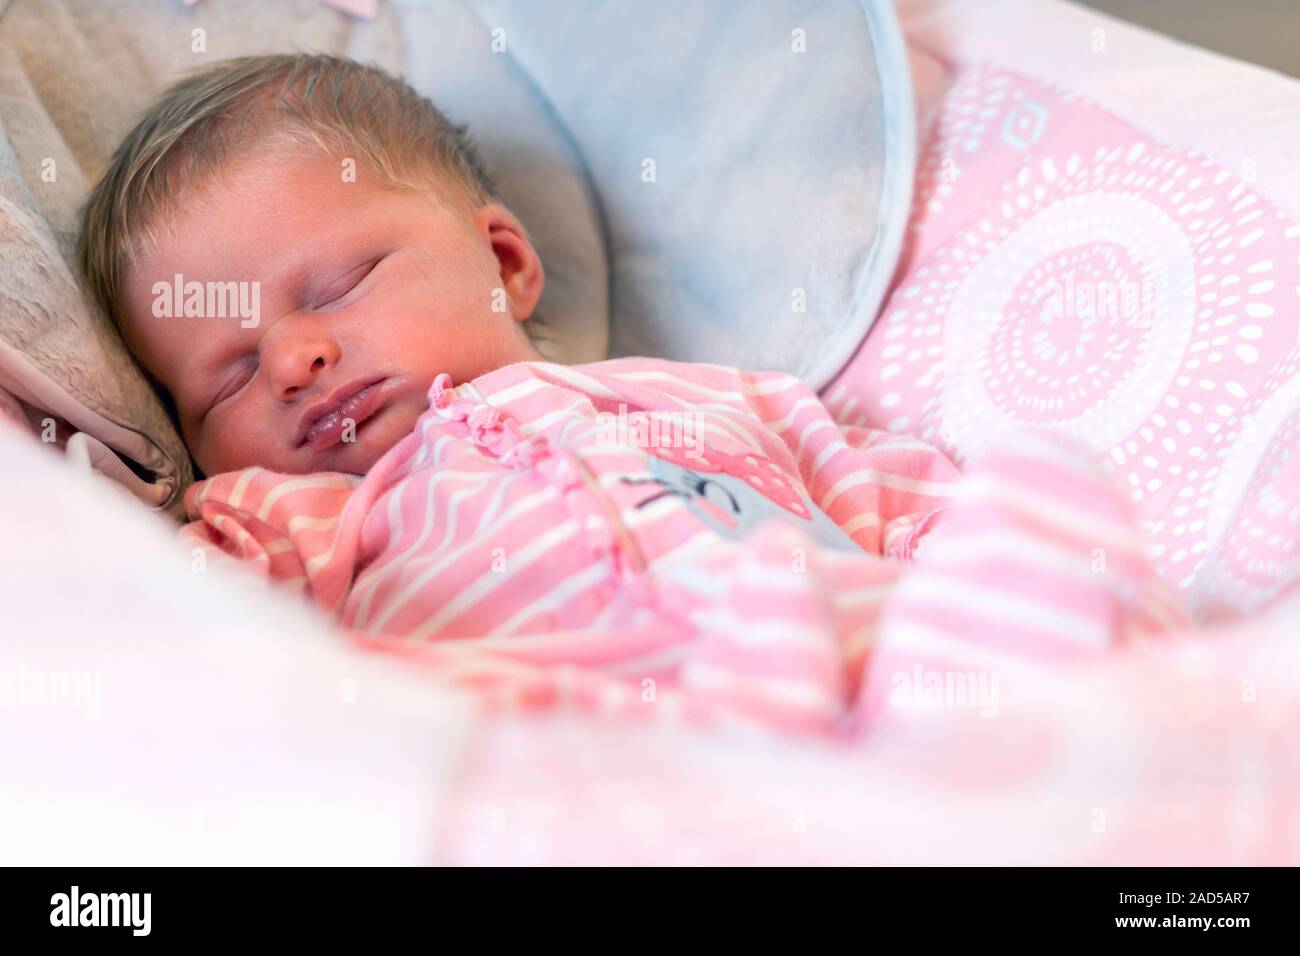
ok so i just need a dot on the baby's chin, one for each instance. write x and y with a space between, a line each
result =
368 442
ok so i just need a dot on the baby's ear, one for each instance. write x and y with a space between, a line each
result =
518 264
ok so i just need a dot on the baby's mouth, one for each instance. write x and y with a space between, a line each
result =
325 423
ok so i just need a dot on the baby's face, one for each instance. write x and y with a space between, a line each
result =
359 288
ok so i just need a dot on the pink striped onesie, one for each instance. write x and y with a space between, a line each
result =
670 541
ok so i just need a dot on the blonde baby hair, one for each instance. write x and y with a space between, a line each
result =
275 102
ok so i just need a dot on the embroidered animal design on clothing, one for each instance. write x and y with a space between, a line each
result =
732 494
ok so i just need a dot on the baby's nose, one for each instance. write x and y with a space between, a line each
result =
294 366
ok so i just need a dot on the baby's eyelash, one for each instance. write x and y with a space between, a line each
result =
228 394
348 283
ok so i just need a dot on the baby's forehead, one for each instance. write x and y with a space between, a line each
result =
248 200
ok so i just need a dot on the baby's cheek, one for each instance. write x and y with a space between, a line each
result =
226 446
402 421
209 458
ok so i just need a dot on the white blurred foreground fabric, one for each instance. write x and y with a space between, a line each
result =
154 714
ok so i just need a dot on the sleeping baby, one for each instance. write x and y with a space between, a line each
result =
378 432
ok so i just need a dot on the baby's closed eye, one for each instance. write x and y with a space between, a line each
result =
235 385
338 289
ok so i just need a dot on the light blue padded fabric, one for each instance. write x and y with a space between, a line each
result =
446 52
741 160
